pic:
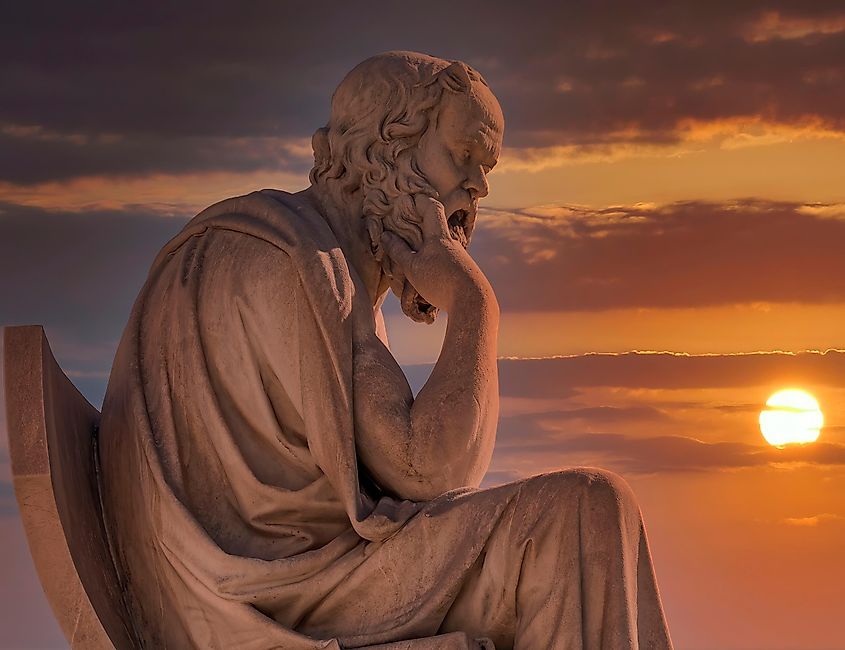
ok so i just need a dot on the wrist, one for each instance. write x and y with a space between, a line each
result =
475 295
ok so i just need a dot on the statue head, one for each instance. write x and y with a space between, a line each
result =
401 124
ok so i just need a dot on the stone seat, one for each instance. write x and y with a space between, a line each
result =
53 447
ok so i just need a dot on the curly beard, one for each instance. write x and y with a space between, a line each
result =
402 220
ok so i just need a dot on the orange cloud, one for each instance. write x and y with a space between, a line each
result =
182 195
815 520
772 25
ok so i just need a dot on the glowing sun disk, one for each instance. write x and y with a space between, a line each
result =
791 416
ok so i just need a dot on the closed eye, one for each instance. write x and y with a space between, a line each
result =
461 157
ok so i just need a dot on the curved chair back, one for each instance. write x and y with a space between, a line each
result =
53 449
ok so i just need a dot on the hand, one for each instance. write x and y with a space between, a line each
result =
442 271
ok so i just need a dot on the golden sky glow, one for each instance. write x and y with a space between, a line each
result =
790 327
782 164
786 168
672 180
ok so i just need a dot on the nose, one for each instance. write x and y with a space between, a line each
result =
476 184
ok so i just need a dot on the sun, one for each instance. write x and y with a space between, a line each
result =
791 416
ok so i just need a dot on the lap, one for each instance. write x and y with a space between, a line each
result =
535 553
457 564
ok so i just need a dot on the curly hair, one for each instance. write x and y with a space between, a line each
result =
379 113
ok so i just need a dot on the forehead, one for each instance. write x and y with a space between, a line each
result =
473 118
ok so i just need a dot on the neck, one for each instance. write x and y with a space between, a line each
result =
344 218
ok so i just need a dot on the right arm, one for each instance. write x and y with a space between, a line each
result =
443 439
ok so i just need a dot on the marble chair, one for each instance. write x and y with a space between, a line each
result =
53 449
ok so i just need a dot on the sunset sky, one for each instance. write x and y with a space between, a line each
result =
665 232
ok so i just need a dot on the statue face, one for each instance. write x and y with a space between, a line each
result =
458 152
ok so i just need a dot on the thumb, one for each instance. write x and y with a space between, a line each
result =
396 248
433 215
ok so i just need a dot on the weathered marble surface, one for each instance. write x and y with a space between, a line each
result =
268 478
51 445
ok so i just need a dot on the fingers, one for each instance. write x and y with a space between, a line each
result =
396 248
434 223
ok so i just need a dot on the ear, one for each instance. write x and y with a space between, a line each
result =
320 145
455 77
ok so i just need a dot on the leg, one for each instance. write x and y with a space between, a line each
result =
567 567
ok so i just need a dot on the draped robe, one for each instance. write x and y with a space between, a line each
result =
240 515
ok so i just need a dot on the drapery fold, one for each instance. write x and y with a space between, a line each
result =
237 505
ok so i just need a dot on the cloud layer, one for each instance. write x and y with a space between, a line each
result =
556 377
684 254
660 454
78 273
195 86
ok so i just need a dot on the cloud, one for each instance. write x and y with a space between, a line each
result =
772 25
180 195
650 455
564 377
155 88
32 155
590 418
685 254
559 377
77 274
5 462
689 137
813 521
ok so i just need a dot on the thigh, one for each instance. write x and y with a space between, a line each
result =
532 549
527 588
485 562
406 584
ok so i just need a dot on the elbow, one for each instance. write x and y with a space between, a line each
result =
423 491
419 480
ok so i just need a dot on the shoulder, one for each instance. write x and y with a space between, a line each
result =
251 265
270 242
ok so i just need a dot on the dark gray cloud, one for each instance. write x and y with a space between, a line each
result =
497 477
567 73
545 439
564 377
77 274
32 157
5 462
559 377
659 454
687 254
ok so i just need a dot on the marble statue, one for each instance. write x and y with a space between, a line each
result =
267 477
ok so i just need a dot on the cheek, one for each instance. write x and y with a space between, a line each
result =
439 168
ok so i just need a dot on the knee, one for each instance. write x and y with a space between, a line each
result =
608 495
602 492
